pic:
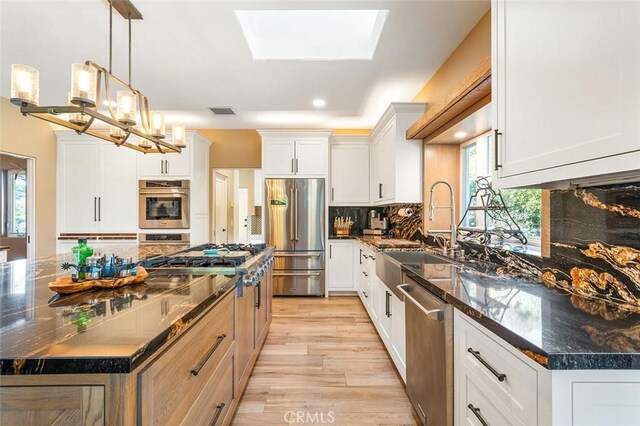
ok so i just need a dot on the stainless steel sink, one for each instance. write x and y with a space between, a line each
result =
389 266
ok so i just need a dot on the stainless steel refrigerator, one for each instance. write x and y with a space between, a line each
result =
295 225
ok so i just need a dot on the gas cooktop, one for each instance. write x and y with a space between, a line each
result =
226 259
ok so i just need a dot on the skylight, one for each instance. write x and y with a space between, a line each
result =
312 35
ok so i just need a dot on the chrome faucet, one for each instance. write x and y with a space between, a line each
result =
453 244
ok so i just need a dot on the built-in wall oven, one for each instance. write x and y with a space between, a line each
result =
164 204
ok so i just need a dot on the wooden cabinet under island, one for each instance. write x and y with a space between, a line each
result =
160 353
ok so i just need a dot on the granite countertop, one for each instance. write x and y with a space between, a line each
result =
100 331
558 330
4 248
380 243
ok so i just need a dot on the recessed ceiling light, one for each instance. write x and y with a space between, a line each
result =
319 103
460 135
312 35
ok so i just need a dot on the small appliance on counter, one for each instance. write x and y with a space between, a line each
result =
378 225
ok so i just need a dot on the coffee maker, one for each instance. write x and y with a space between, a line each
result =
378 225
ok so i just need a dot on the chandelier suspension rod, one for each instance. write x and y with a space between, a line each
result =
110 36
129 19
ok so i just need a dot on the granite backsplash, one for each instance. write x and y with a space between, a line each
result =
400 226
595 249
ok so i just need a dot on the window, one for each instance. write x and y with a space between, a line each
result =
524 205
15 203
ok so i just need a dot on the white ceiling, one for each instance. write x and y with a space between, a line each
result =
189 55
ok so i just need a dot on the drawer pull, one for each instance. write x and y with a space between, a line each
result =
476 412
365 274
219 409
219 340
500 376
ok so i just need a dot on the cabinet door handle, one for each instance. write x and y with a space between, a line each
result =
219 340
361 256
166 166
387 309
330 251
95 209
500 376
365 294
476 412
333 193
161 167
365 274
258 295
99 209
496 156
219 409
380 190
293 167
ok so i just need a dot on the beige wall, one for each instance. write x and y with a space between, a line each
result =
234 149
475 47
31 137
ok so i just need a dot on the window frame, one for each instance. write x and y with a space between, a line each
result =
11 216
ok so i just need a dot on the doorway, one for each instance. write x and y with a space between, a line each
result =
220 209
17 206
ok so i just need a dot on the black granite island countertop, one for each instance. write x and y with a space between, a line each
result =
100 331
558 330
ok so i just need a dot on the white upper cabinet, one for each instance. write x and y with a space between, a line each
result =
97 186
396 162
565 90
167 166
301 154
349 170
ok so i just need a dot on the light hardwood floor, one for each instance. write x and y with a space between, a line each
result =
323 356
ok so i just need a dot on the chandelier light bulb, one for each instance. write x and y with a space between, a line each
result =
157 124
84 82
126 107
24 85
179 135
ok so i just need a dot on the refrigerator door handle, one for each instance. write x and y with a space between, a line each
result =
296 214
296 274
297 254
293 216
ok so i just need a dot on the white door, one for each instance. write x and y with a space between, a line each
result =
377 172
566 84
77 186
349 174
243 215
340 266
179 165
151 166
311 157
278 157
117 189
220 210
398 335
384 313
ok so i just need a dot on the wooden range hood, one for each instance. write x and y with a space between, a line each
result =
473 93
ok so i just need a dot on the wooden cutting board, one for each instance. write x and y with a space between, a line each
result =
66 285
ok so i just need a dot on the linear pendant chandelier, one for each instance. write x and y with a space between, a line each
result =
81 111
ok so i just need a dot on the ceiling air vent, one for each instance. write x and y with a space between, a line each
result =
222 111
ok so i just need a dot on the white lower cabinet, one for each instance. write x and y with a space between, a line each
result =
385 309
340 266
497 384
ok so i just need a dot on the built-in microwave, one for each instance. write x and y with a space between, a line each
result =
164 204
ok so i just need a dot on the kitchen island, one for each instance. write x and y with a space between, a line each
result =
159 352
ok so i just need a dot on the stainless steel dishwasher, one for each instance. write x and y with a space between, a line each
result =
429 340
